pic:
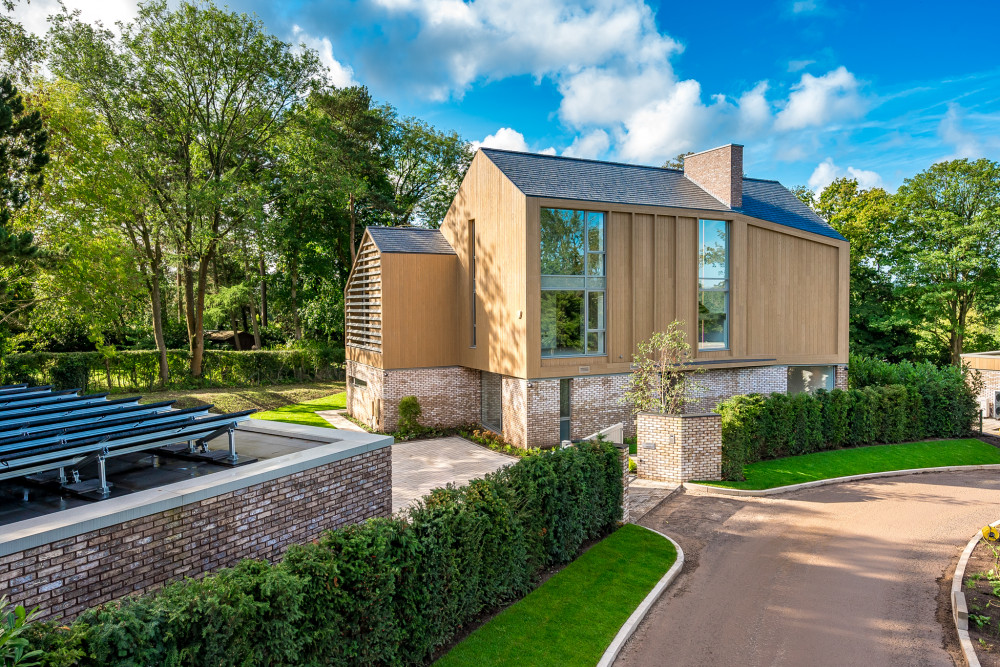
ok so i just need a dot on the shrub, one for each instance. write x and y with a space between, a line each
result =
919 401
409 415
387 591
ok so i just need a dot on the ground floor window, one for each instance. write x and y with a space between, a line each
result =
358 382
810 378
492 401
565 387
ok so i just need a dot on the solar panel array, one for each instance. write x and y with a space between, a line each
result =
44 432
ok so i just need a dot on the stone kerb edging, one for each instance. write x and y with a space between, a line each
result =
630 626
707 489
959 609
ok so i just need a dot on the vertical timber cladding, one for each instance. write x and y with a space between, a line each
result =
363 300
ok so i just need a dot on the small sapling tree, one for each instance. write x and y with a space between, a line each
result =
661 379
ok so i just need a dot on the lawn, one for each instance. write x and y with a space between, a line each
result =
861 460
228 399
305 412
572 618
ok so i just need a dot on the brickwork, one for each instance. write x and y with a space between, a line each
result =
840 378
684 447
595 404
514 401
720 172
717 385
542 418
65 577
449 395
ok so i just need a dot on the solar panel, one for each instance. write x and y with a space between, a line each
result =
43 431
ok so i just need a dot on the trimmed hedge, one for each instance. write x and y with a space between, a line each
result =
930 402
384 592
138 370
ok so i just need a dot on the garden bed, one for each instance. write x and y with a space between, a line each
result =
862 460
981 586
573 617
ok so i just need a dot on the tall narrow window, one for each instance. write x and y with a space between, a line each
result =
713 285
472 279
565 387
491 391
573 282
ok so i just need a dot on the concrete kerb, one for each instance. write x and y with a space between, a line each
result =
630 626
707 489
959 608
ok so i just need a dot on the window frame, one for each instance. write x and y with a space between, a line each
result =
585 282
726 291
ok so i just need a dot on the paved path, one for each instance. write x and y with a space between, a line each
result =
336 417
849 574
421 465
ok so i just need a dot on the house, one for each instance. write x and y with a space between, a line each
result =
987 364
522 313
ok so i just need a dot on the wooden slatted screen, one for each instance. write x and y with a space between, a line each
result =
363 300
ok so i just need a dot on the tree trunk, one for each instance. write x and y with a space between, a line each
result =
263 291
180 293
295 299
156 303
350 201
198 349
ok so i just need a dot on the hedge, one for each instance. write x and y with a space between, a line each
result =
138 370
923 401
384 592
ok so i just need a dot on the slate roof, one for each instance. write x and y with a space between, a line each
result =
617 183
410 240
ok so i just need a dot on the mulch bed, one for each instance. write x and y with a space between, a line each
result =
984 604
989 439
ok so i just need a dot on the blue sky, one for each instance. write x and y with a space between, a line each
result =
813 89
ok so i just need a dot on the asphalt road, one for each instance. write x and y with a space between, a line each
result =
848 574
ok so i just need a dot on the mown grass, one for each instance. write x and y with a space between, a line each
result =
253 398
305 412
572 618
861 460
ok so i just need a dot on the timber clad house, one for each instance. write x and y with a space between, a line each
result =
522 313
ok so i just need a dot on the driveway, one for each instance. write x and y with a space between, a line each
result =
849 574
421 465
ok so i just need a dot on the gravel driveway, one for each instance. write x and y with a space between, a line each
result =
849 574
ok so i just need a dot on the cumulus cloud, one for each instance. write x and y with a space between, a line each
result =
593 144
509 139
826 172
818 100
338 74
966 143
33 15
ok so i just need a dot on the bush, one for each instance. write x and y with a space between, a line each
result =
387 591
409 415
920 401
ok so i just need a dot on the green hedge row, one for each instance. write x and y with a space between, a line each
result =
385 592
929 402
138 370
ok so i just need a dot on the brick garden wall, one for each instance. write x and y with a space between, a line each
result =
65 577
685 447
720 384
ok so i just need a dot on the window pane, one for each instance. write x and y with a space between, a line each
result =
563 282
595 310
712 255
564 398
595 342
712 329
562 242
713 284
595 264
810 378
562 323
595 232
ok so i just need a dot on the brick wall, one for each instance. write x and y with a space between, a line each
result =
720 172
685 447
542 428
449 395
595 404
840 378
65 577
991 384
514 402
717 385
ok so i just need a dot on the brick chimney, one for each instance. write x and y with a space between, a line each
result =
719 172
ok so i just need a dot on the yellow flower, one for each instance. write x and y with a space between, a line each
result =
991 533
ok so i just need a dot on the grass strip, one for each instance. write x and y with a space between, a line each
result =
305 412
862 460
572 618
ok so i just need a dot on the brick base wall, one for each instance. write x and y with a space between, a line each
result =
65 577
720 384
448 396
678 448
840 378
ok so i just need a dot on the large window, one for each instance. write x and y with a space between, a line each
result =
573 282
810 378
713 285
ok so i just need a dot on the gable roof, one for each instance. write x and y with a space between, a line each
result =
418 240
617 183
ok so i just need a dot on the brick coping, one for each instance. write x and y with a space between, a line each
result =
30 533
683 415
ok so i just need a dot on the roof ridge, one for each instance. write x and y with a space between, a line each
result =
582 159
762 180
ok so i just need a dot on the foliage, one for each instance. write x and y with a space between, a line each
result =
388 591
409 414
23 141
661 373
862 460
495 441
598 591
887 403
14 648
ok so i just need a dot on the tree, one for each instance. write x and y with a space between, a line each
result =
661 373
192 95
427 170
20 51
946 254
676 162
23 141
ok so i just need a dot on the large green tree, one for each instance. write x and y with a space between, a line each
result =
945 251
23 157
192 95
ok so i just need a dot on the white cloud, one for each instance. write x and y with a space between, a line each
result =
818 100
803 6
339 74
965 143
799 65
594 144
32 15
826 172
509 139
